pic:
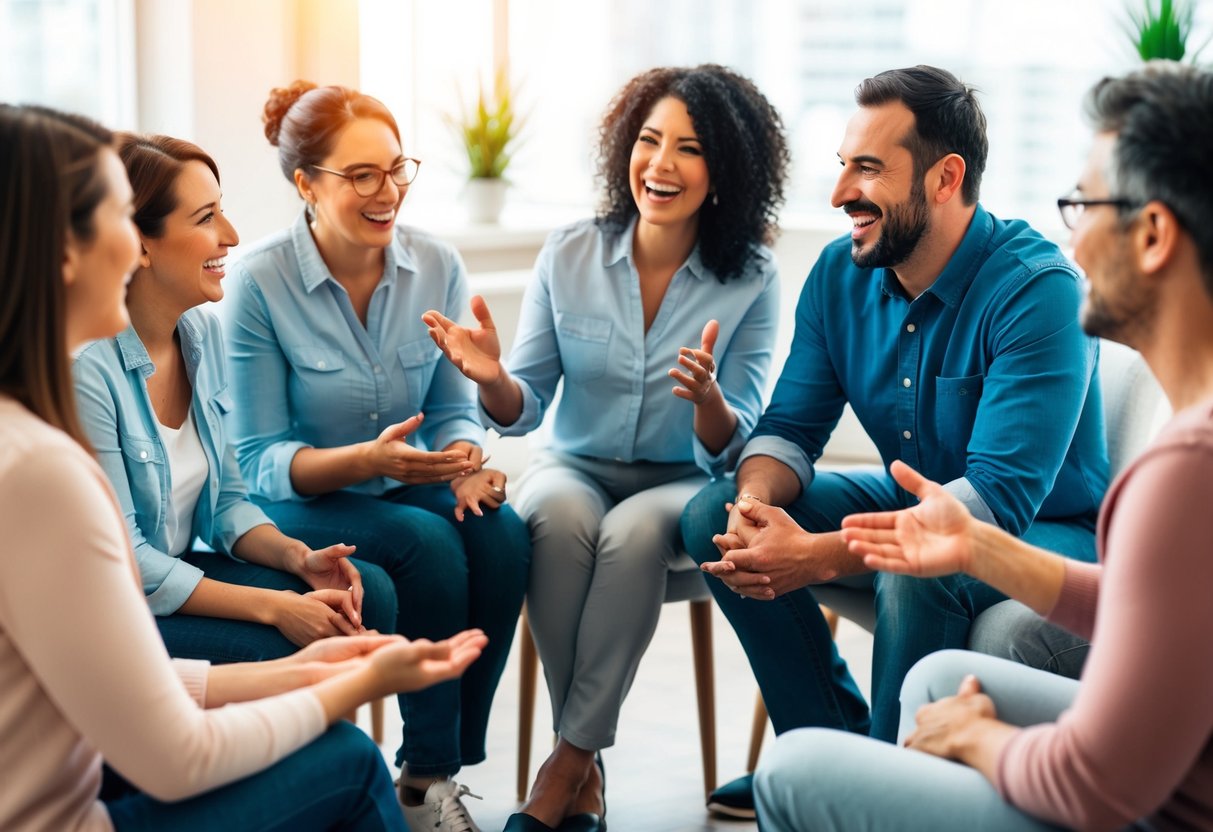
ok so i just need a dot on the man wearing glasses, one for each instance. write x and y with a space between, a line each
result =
953 335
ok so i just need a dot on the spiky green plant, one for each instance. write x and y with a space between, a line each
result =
489 129
1161 28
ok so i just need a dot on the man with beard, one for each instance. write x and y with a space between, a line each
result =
954 337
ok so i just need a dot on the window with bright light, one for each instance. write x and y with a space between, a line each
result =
1031 60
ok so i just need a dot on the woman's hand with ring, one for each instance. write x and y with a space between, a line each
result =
697 373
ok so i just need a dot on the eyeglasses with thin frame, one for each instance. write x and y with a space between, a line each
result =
368 180
1071 209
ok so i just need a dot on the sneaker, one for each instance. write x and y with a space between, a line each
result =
734 799
442 810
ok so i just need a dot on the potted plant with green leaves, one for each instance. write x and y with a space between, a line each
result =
488 131
1159 29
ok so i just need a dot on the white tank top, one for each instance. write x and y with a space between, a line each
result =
188 470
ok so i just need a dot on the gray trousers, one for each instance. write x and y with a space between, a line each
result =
604 536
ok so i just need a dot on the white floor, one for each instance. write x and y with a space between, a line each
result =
654 775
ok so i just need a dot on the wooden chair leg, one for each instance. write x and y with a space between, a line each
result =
705 688
528 669
377 721
758 729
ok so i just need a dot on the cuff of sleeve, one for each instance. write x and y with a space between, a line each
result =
194 674
458 430
176 588
717 465
236 522
964 491
1079 591
274 478
789 453
527 420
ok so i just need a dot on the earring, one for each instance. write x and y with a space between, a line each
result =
715 198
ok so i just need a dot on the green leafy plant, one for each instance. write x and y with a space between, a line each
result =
1161 28
489 129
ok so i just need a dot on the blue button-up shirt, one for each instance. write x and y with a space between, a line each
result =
985 382
307 373
582 318
111 394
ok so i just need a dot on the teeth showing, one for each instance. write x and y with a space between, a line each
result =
215 265
661 188
386 216
863 222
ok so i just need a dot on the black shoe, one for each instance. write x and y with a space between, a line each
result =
522 822
734 799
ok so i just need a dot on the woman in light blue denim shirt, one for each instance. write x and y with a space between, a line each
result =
162 383
349 426
693 161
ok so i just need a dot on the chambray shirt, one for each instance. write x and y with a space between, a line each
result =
985 382
111 394
307 373
582 319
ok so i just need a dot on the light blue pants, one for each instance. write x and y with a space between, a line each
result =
820 779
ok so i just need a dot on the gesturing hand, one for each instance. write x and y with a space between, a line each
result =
930 539
698 373
413 665
486 486
330 568
475 352
391 456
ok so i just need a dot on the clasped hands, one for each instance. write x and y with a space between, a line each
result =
763 552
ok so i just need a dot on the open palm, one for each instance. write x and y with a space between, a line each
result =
475 352
927 540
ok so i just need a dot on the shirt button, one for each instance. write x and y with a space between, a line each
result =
905 382
906 434
910 327
374 415
320 365
143 454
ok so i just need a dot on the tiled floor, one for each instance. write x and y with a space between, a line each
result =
653 772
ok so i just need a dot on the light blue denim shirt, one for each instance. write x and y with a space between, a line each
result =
111 394
985 382
582 320
307 373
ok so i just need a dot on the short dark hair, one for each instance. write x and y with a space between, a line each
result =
1162 115
303 121
51 182
153 164
947 119
743 145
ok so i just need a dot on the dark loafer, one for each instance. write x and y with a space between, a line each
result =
734 799
583 822
522 822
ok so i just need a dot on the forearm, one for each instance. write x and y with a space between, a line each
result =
715 422
769 480
832 559
502 399
267 546
344 691
214 599
324 470
1024 572
979 744
246 681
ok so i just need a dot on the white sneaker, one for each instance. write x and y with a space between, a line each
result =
442 810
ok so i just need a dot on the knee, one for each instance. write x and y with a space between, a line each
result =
1010 630
705 516
647 539
933 677
794 776
565 516
501 533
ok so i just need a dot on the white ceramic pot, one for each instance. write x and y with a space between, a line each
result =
484 199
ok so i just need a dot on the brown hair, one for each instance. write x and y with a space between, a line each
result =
303 121
51 183
153 164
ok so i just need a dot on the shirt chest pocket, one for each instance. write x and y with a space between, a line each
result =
417 361
220 406
584 344
317 371
146 474
956 401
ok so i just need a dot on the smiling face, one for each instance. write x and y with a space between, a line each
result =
1119 302
879 189
97 270
668 171
187 261
342 217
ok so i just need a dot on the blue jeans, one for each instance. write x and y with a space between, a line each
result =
804 681
448 576
338 781
224 640
827 780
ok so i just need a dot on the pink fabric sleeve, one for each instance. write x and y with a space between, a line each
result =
72 602
1075 607
1142 716
193 674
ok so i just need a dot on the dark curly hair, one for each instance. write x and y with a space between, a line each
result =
743 144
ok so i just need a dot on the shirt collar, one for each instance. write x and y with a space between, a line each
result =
134 354
619 247
962 267
314 271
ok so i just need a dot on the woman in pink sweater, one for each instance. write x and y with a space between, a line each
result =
1131 745
83 673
